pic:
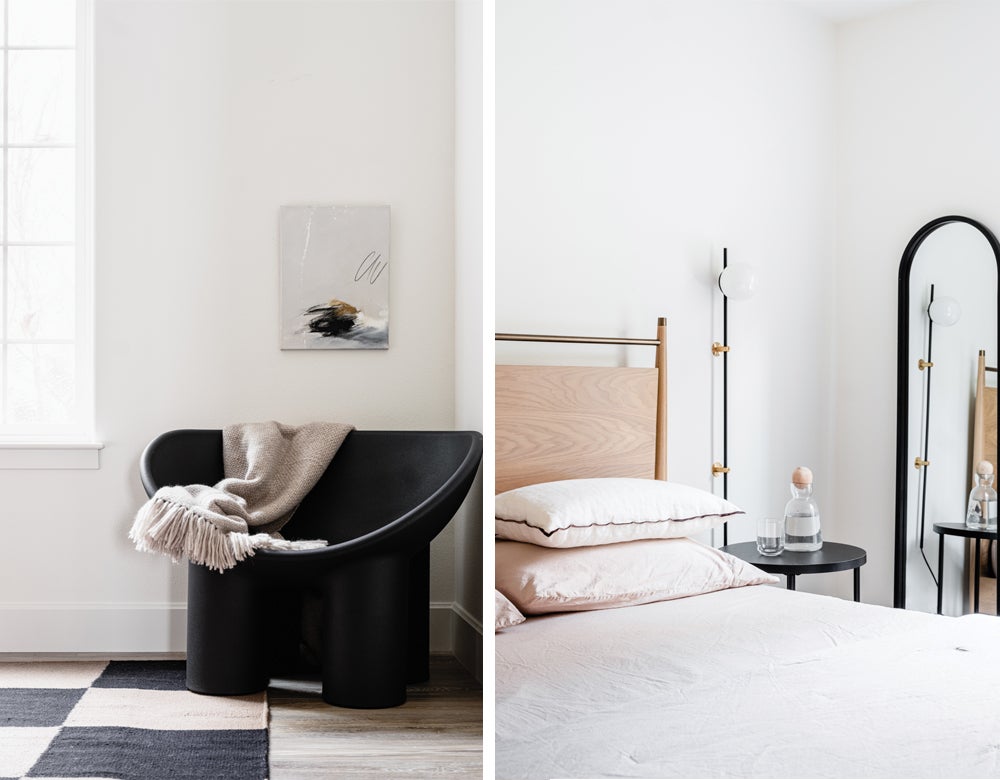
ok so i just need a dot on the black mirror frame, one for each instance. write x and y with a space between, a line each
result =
903 385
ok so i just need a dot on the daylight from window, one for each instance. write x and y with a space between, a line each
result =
42 358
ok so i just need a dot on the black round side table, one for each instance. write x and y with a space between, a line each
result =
961 529
830 557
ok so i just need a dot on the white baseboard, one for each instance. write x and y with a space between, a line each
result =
442 640
93 627
161 628
467 640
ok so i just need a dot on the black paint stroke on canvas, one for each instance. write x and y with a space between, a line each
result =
339 319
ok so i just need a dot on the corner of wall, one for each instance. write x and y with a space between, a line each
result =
466 620
467 639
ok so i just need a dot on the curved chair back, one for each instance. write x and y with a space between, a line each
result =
183 457
382 477
378 481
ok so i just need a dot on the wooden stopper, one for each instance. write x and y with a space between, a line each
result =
802 477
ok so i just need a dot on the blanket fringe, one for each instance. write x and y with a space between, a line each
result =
179 531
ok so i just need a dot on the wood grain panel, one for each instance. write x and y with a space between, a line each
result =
990 426
984 447
564 422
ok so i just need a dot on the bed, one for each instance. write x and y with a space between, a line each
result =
628 650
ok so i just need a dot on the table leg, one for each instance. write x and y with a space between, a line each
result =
790 581
940 570
857 584
975 589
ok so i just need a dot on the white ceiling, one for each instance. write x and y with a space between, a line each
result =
846 10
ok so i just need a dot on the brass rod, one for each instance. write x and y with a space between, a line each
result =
660 438
577 339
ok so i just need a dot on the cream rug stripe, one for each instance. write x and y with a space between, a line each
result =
167 710
50 674
21 747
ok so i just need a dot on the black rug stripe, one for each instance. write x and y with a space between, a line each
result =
144 754
37 707
147 675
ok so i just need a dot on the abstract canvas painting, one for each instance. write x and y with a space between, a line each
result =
334 277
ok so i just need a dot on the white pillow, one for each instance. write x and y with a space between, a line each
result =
540 580
506 613
584 512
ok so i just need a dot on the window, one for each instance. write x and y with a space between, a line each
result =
46 354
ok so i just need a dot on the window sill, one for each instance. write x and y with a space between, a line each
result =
50 455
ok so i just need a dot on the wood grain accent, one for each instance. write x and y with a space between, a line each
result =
985 422
437 733
562 422
984 447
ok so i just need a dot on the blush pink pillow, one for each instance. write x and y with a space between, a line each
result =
543 579
506 613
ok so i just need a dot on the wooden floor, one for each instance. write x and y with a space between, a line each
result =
438 732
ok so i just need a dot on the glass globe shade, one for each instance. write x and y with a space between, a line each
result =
738 281
944 311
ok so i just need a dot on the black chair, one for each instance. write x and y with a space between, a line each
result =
384 497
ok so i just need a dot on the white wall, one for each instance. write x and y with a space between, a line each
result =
211 115
918 124
469 319
636 139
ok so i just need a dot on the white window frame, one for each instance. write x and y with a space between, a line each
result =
73 445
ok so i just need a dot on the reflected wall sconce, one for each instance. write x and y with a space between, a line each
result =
945 312
942 311
738 282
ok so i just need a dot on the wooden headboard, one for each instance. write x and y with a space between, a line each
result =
566 422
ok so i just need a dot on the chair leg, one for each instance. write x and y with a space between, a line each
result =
419 632
226 646
365 633
280 608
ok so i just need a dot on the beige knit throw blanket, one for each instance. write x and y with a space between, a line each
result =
269 468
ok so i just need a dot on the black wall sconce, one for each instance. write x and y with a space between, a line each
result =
738 282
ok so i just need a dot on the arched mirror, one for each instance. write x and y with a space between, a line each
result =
948 292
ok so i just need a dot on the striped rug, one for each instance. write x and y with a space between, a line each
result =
132 720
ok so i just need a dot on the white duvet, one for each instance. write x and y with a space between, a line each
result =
749 682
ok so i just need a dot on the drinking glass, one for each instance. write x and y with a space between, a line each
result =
770 535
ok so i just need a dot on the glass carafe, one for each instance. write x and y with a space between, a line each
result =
982 511
802 528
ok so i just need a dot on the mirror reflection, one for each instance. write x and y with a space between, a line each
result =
948 316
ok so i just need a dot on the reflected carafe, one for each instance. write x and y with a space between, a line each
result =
982 511
802 529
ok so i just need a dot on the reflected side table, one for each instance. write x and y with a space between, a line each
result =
830 557
961 529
